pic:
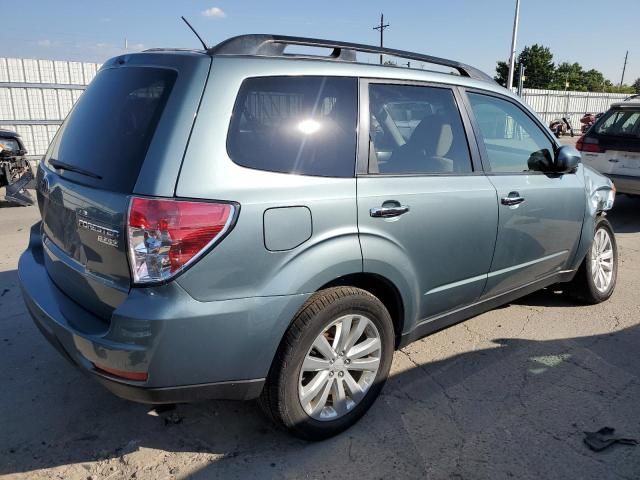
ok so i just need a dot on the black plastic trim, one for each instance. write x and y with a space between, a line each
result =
434 324
274 45
235 390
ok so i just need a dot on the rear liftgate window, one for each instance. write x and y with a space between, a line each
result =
621 123
299 125
110 128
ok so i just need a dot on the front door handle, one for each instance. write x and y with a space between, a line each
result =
389 209
512 199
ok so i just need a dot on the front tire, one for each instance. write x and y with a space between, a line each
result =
331 364
596 278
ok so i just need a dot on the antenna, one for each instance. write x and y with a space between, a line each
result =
195 33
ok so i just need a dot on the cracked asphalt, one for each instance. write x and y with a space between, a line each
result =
507 394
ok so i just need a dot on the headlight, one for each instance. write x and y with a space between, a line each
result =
611 196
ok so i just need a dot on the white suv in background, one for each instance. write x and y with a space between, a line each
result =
612 146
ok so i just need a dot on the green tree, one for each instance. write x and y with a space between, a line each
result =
568 76
538 64
636 85
502 74
594 80
577 79
539 68
620 89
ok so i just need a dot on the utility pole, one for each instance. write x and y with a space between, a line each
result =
381 28
512 59
521 79
624 67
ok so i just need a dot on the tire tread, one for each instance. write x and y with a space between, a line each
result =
269 399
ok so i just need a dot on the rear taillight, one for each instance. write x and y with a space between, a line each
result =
165 236
589 144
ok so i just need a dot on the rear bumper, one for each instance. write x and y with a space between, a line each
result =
190 350
240 390
626 184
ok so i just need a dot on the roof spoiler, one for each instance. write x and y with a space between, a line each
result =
274 46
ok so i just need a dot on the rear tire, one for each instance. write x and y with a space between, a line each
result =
596 278
331 364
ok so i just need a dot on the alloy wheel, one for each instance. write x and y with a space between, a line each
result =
602 264
340 367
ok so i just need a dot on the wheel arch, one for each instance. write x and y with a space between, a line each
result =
381 288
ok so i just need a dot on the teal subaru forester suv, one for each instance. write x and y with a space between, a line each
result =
242 222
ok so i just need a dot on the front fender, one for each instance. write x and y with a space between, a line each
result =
599 197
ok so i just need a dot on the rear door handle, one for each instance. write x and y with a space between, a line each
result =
389 209
512 199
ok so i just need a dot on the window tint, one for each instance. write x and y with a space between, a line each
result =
512 140
110 128
9 144
417 130
301 125
620 123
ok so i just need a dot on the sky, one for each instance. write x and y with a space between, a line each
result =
478 32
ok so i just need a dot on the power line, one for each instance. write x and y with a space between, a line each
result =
381 28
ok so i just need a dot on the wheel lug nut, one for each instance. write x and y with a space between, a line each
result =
347 361
330 362
341 374
331 374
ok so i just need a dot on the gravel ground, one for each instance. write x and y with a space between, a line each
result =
506 394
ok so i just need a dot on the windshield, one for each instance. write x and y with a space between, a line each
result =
620 123
107 134
9 144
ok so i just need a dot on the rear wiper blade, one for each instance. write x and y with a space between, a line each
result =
58 165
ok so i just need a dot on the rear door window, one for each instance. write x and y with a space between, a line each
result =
621 123
416 130
298 125
109 130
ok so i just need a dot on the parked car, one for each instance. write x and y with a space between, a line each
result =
612 146
15 170
220 224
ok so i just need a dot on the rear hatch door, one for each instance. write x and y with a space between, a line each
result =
126 135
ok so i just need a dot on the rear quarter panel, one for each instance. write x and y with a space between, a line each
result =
241 265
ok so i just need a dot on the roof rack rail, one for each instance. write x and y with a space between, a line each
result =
274 45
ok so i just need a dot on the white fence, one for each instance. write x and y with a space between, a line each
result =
552 104
36 95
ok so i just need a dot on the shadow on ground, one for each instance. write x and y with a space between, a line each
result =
516 408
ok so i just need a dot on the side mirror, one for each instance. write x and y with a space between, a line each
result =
540 161
567 159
